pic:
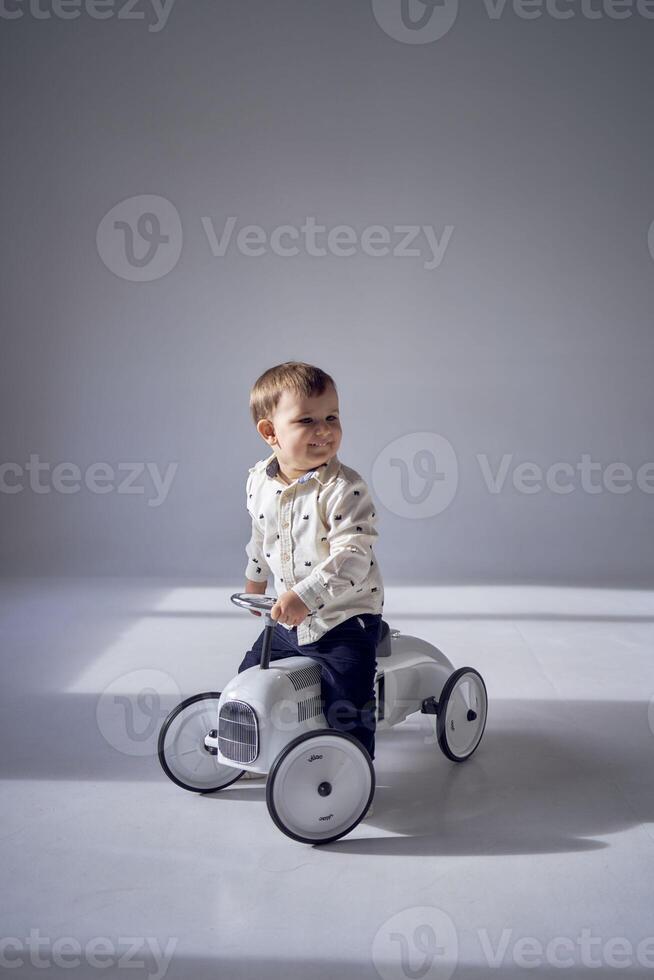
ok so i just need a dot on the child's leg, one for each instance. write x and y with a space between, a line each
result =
347 654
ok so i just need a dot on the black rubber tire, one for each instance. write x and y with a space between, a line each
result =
162 738
271 782
442 705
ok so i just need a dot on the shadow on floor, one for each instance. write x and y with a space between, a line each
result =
549 776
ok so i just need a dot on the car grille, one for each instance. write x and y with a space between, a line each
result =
310 708
305 676
238 732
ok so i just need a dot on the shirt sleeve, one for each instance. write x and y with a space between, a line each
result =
257 568
350 518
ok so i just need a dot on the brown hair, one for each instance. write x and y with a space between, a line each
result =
296 376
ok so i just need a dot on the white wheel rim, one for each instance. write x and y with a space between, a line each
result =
297 802
467 695
184 750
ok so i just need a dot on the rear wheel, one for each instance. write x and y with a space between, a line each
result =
183 752
462 709
320 786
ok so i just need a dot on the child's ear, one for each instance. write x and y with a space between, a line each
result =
266 429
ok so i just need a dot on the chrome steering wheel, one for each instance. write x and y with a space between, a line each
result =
250 600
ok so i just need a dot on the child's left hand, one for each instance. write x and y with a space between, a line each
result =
289 609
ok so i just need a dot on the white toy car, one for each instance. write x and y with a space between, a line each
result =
269 719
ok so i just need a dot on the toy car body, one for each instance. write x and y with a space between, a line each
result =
269 720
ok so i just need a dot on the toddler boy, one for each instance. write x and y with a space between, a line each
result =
313 529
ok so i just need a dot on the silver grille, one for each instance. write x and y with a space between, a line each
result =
305 676
238 732
309 708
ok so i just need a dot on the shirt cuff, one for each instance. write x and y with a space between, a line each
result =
313 594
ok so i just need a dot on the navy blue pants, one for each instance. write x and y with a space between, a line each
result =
347 656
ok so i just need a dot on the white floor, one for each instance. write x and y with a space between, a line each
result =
535 857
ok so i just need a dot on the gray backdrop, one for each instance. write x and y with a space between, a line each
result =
523 142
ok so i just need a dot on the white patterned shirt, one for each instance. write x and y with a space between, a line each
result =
315 536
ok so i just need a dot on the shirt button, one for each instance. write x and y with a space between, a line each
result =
286 524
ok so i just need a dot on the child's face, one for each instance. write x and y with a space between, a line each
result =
299 424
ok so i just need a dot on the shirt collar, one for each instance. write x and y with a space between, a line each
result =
323 473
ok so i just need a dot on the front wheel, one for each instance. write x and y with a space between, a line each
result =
462 709
320 786
183 753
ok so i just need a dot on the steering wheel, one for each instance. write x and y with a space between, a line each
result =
250 600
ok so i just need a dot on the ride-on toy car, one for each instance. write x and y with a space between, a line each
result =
269 719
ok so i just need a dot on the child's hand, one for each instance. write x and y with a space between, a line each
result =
289 609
